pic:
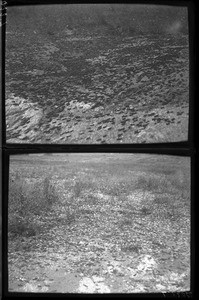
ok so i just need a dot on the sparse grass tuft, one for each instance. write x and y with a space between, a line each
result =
160 200
126 222
79 187
92 200
153 183
50 195
180 180
118 188
145 211
131 247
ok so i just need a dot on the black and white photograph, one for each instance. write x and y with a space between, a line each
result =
96 74
99 223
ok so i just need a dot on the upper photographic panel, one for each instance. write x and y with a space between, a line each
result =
97 73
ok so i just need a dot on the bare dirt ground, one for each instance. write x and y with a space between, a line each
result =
121 224
96 89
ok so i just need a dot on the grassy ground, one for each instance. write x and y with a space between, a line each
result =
116 223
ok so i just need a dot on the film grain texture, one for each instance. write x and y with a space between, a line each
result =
94 74
99 223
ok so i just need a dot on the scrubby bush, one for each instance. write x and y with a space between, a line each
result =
26 201
153 183
50 195
171 183
78 188
118 188
18 225
181 181
81 186
162 200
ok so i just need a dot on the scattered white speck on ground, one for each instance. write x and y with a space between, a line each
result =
87 285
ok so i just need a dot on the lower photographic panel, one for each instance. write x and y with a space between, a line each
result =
99 223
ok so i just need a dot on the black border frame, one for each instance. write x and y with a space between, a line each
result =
169 152
186 148
189 143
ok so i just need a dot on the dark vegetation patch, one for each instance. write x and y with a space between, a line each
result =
26 201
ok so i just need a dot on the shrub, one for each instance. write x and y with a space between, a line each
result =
49 192
78 187
171 183
181 181
120 188
18 225
81 186
161 200
153 183
27 199
16 197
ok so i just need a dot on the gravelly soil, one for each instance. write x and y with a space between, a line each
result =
97 89
114 235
